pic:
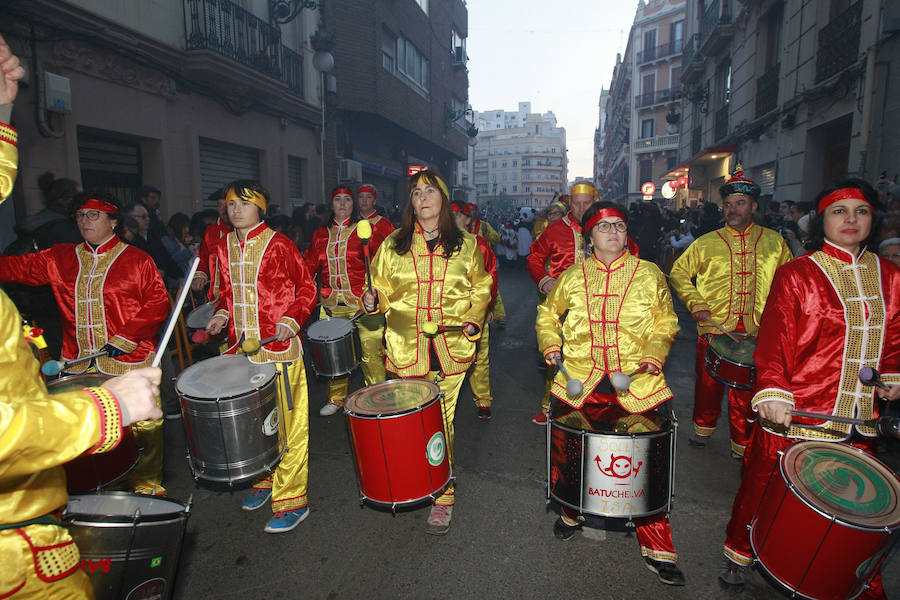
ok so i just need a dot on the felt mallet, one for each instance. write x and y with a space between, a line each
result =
573 386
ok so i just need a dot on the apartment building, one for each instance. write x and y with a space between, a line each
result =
798 93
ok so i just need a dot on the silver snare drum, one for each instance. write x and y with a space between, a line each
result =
129 543
334 346
624 468
231 418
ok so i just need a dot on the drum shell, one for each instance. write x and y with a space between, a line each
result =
808 551
735 374
93 472
577 479
335 357
392 455
120 552
234 439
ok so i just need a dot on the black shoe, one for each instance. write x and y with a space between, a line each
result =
696 441
668 573
732 576
564 531
484 413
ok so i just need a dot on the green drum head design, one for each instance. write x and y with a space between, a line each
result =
73 383
393 396
844 482
435 449
739 352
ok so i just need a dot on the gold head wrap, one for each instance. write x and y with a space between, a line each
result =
251 196
583 188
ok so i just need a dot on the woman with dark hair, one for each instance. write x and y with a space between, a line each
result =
336 258
431 272
619 318
104 277
829 314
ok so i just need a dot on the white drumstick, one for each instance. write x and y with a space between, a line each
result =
173 318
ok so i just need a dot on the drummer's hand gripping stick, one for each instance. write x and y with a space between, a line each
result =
573 386
252 346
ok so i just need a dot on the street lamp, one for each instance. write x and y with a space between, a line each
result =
323 62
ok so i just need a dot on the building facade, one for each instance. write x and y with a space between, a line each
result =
400 92
796 92
638 143
519 159
183 95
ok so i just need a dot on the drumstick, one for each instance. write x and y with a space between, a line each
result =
432 328
252 346
176 310
573 386
722 329
364 231
54 367
621 381
834 418
870 376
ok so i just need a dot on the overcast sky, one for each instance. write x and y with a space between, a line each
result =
556 54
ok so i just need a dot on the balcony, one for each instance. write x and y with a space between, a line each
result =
691 60
721 127
839 43
767 91
656 144
716 28
224 28
657 97
660 52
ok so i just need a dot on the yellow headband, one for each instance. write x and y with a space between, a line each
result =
583 188
431 176
254 197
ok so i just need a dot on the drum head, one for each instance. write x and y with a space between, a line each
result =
612 420
224 377
200 316
844 482
391 397
739 352
120 507
73 383
329 329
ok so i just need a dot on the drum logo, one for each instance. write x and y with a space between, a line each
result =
270 425
434 450
619 467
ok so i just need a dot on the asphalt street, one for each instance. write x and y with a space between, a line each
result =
501 543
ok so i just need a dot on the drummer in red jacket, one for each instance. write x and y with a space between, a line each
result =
265 291
829 314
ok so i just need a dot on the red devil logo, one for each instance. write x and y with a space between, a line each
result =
619 467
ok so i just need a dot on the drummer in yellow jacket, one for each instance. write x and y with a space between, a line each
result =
431 272
38 558
723 278
619 319
266 291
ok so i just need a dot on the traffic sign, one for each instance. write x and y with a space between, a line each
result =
648 189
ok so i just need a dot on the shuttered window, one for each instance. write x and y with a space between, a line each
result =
295 180
221 163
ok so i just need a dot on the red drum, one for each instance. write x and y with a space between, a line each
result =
731 362
93 472
399 442
825 525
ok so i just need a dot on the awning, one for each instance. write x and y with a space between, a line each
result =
709 155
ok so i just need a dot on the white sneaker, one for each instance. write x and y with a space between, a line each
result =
329 409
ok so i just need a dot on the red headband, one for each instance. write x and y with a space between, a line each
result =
842 194
101 205
341 191
367 188
602 214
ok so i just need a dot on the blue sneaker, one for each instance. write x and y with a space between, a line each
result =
282 522
256 498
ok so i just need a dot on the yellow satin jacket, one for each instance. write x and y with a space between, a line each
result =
733 272
616 317
422 286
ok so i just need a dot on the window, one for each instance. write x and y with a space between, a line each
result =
503 163
412 65
423 4
723 83
646 171
671 161
388 50
650 44
515 163
515 188
647 128
295 180
457 41
676 35
494 164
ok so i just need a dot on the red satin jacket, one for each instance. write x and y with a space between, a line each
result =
557 248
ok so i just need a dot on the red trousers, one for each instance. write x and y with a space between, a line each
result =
761 458
708 404
654 533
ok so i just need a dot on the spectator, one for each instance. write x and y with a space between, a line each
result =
890 249
152 244
151 198
523 235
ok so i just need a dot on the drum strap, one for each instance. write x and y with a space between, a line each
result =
51 519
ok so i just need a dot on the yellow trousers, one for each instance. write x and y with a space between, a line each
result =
288 483
499 310
146 478
371 339
450 386
480 379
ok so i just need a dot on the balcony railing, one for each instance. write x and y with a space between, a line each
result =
659 142
716 16
721 130
767 91
227 29
839 43
691 59
661 51
657 97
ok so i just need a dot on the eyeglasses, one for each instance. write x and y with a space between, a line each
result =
90 215
619 226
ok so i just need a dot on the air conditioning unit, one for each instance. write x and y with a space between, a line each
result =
349 170
459 56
